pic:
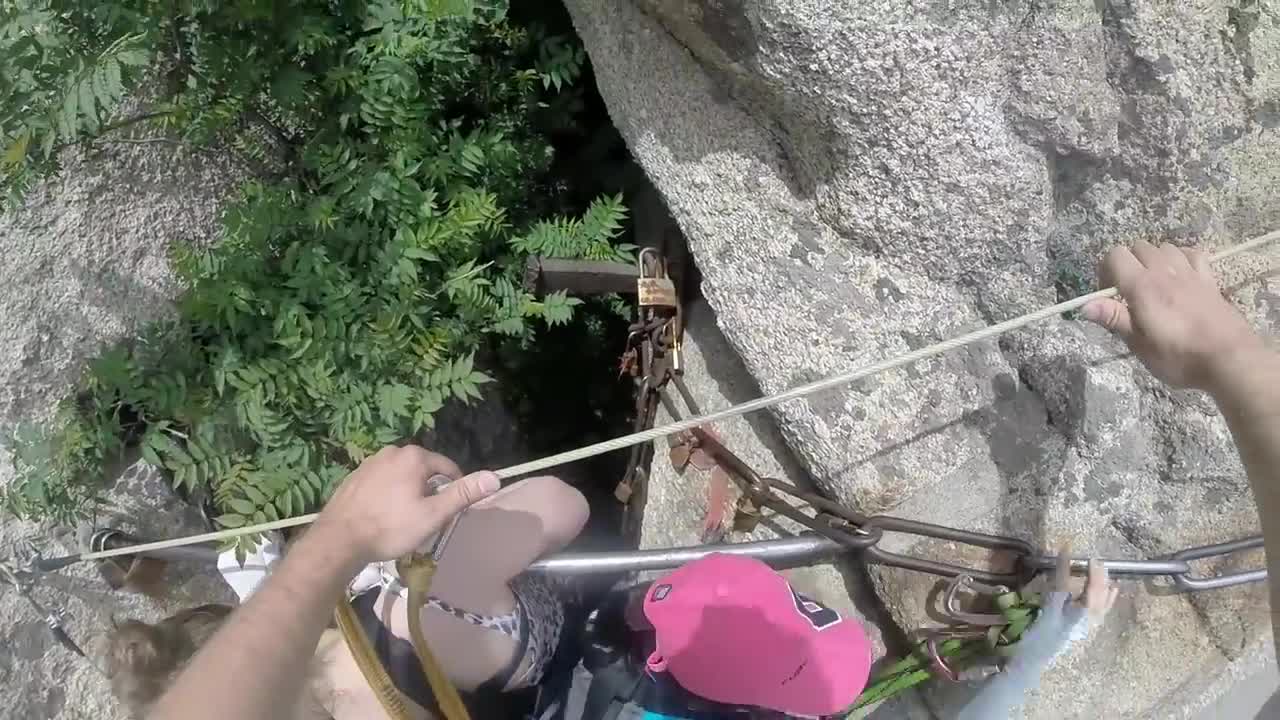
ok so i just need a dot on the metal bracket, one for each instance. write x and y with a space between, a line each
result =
23 582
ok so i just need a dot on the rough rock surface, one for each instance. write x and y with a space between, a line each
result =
677 503
45 681
84 259
861 179
84 264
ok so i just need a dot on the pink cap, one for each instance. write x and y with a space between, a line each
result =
732 630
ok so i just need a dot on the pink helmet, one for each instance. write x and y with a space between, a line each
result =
732 630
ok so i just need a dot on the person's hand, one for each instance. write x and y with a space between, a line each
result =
1173 317
1099 594
383 510
1065 619
1062 620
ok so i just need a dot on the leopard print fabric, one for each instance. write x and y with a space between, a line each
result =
508 624
542 611
539 612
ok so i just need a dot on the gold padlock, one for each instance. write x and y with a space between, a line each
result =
656 292
653 287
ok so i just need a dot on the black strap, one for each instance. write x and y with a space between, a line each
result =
405 669
612 686
396 654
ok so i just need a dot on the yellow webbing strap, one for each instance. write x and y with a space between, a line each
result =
367 660
416 572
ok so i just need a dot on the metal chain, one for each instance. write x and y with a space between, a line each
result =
651 358
1014 561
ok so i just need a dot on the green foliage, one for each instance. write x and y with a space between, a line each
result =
344 305
559 62
44 456
1071 280
64 77
589 237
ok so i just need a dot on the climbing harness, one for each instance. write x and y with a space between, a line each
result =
367 660
416 570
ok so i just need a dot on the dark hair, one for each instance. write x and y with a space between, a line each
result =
143 659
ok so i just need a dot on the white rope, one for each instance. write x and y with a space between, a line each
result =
750 406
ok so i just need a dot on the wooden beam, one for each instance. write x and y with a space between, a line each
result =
580 277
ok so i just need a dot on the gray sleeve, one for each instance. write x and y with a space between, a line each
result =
1059 623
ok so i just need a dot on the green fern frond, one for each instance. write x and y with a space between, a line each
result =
559 62
94 89
557 308
342 306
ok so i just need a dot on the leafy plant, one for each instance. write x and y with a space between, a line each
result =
344 304
62 80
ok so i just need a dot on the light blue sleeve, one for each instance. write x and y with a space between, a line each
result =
1060 623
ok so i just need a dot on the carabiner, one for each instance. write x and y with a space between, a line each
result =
966 583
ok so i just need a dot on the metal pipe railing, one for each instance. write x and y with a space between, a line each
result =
781 554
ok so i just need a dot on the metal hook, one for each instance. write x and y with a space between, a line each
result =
435 551
936 660
23 582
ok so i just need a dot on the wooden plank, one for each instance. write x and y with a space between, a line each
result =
580 277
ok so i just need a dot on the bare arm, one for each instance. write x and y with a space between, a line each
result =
254 667
1249 396
1175 320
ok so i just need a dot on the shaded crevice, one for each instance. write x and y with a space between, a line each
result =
1025 489
1014 359
728 60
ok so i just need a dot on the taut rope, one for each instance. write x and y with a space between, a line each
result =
677 427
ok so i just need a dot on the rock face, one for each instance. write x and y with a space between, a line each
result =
84 264
857 180
84 259
47 682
